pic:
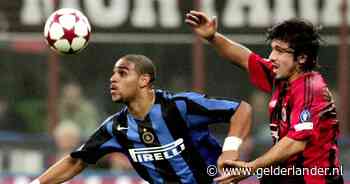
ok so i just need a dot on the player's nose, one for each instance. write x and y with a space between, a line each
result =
113 78
272 57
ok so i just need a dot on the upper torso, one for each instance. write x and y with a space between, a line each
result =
172 143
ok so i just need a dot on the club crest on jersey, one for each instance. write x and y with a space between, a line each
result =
147 137
305 116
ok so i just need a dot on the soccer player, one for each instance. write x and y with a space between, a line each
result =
164 135
302 112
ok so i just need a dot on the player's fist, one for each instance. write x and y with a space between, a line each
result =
226 155
239 171
202 25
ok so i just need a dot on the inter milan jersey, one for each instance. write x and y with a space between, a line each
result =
302 110
171 145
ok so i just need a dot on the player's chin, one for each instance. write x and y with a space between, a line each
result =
116 99
281 78
277 77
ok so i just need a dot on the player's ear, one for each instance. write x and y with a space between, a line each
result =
302 59
145 80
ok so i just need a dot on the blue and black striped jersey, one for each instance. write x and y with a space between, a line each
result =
171 145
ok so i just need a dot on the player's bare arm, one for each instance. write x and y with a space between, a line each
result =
62 171
240 125
283 150
206 28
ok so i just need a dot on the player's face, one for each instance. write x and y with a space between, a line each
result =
124 81
282 59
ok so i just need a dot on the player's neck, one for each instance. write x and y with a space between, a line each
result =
142 104
296 74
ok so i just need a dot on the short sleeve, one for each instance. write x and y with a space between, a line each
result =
260 72
305 112
201 110
99 144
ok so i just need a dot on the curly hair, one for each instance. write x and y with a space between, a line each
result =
302 36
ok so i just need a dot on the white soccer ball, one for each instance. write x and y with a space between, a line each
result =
67 31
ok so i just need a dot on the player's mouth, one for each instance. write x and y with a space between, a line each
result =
275 68
113 89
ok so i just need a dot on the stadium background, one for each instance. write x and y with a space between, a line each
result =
32 76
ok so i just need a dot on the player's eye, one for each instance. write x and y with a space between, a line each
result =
279 50
122 73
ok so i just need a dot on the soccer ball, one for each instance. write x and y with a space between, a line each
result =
67 31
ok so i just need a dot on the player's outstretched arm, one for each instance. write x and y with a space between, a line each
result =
240 125
281 151
206 28
63 170
241 121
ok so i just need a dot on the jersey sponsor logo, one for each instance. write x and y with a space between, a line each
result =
304 126
157 153
305 116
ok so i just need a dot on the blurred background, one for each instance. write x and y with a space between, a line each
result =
50 104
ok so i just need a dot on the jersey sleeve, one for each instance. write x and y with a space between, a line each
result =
305 112
99 144
260 72
201 110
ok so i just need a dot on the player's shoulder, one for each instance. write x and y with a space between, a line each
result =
189 95
310 82
114 120
254 57
180 95
122 114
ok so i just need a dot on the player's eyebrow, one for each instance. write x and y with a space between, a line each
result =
287 50
121 68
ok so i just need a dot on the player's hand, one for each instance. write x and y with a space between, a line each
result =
202 25
226 155
235 171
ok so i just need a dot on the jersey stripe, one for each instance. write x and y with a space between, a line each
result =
98 139
328 112
164 136
197 109
178 128
127 144
163 167
305 93
308 92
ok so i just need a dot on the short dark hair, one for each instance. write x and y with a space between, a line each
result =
302 36
143 65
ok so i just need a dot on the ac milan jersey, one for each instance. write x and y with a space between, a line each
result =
302 109
171 145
